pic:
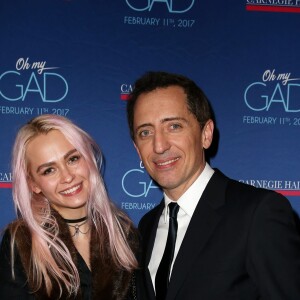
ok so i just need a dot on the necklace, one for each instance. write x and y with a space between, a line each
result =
75 220
77 226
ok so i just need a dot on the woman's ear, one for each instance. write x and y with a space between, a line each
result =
34 187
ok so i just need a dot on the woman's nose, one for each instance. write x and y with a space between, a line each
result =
67 175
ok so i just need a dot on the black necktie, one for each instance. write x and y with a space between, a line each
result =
163 271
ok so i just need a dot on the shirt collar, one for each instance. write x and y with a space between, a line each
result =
189 200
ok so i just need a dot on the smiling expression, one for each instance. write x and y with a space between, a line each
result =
59 172
169 139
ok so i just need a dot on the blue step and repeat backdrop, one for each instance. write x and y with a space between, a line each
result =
80 58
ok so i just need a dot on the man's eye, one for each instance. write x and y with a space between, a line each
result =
144 133
176 126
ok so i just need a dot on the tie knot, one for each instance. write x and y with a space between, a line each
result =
173 210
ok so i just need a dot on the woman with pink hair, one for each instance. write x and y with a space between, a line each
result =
69 240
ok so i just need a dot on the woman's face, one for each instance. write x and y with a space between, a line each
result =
59 172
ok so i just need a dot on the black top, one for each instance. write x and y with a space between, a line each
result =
85 278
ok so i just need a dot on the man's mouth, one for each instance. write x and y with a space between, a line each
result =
168 162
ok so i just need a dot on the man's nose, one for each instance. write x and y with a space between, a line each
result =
160 142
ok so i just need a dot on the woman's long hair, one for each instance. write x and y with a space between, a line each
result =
50 256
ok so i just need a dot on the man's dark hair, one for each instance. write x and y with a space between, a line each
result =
197 101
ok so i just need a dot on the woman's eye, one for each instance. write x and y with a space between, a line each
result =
74 159
48 171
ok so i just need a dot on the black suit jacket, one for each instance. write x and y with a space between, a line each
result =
242 243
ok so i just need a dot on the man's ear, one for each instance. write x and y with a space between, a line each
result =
207 134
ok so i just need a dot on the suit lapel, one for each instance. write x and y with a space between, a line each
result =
152 235
205 219
148 247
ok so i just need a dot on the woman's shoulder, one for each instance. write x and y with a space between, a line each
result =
16 230
8 233
17 226
13 283
130 231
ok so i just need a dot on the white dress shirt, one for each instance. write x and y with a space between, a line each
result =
187 202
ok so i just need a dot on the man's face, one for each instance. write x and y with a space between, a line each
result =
169 139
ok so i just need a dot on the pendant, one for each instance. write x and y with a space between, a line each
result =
77 230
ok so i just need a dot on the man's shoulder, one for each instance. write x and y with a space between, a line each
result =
248 194
234 185
152 213
247 190
150 216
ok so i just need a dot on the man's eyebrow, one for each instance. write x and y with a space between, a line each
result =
164 120
51 163
173 119
142 126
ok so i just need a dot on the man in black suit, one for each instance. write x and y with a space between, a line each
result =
233 241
